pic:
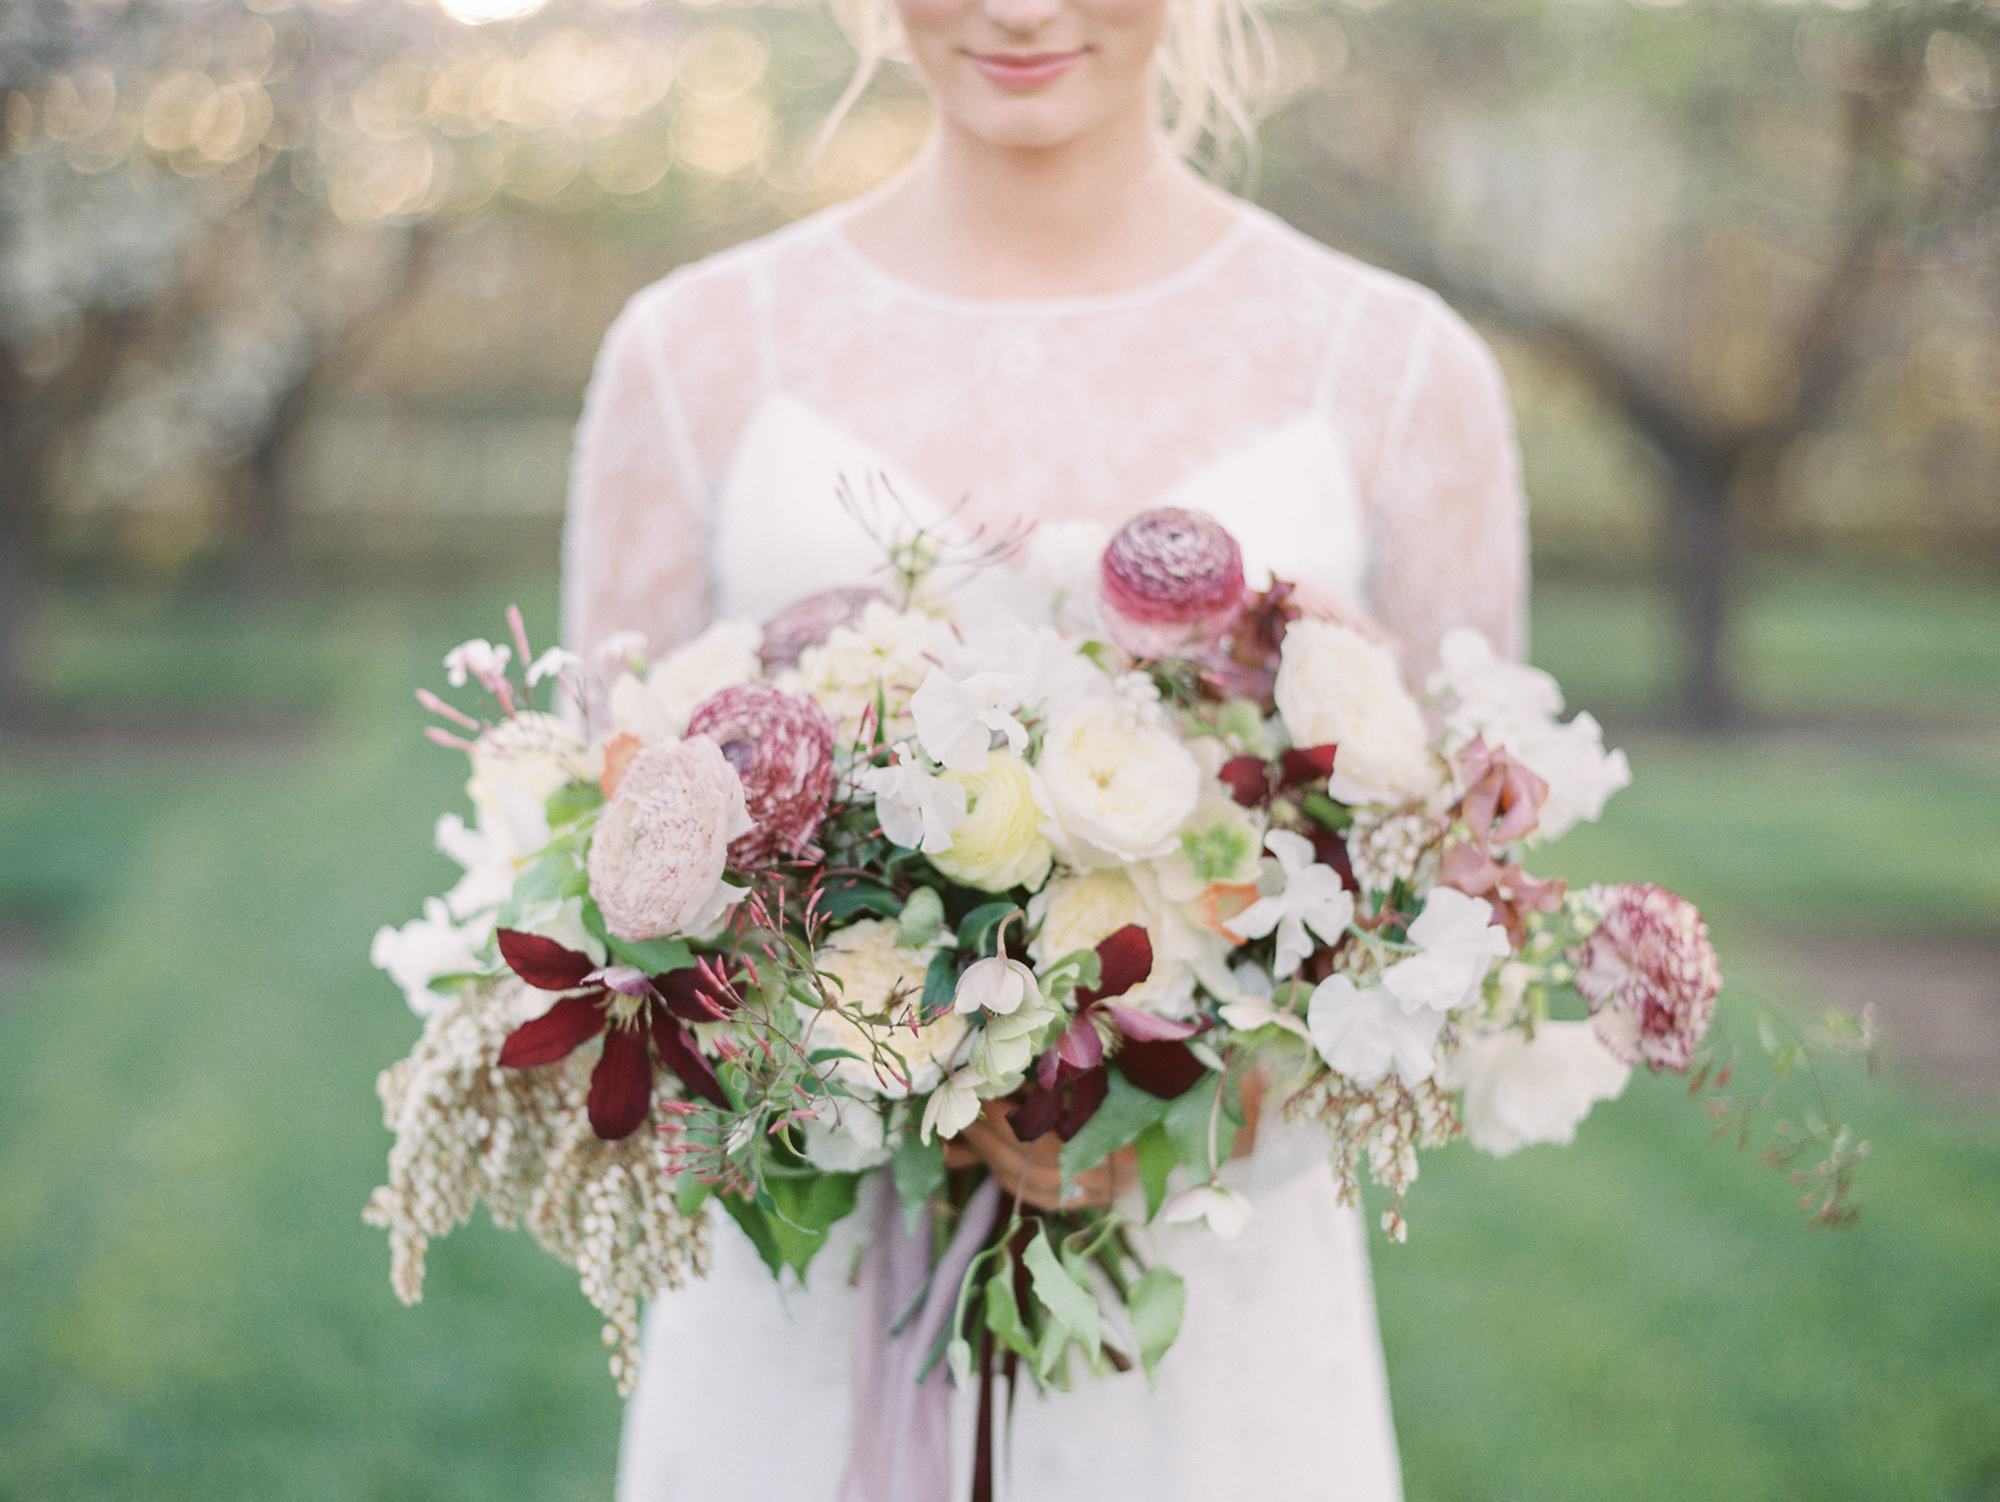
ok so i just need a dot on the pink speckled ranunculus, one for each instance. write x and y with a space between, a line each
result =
1650 975
781 745
662 842
1170 579
810 622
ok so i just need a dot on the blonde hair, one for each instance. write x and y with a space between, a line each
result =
1214 58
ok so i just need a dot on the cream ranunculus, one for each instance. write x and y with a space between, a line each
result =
1000 845
1335 687
657 709
1121 783
657 857
884 983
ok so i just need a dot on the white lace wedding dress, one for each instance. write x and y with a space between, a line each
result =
1352 433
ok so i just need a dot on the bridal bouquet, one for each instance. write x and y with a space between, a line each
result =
907 879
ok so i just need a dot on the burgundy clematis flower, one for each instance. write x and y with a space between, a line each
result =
625 1005
781 746
1170 578
1071 1079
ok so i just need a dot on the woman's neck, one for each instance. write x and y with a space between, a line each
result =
1117 210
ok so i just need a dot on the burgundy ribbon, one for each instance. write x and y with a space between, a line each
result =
900 1447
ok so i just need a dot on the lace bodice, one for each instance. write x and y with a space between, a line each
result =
1270 364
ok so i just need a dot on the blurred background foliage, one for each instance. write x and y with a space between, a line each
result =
296 306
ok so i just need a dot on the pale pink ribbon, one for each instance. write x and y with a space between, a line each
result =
900 1446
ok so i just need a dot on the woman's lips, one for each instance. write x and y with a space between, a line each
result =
1022 72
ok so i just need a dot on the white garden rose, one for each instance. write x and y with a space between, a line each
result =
1000 844
662 842
1336 687
884 982
1520 1091
846 1136
657 709
1121 784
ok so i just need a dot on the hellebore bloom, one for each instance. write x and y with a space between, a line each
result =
1071 1079
625 1005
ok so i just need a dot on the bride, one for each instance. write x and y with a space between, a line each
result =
1049 316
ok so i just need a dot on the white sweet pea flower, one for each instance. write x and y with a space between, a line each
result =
1515 706
951 1108
1520 1091
628 647
551 664
1225 1211
1460 942
489 857
1367 1034
1310 895
918 809
477 657
846 1136
997 985
957 720
427 949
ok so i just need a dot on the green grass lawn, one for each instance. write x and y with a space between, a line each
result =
193 1309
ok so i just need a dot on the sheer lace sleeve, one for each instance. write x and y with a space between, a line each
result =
634 540
1447 522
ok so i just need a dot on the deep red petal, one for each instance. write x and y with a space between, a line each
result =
621 1086
1165 1069
1330 849
1082 1100
694 996
678 1053
1079 1047
1248 778
1035 1116
553 1034
1124 960
543 963
1312 764
1147 1028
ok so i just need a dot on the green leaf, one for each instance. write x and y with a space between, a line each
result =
544 879
1156 1161
793 1226
1003 1315
757 1225
977 928
1127 1111
918 1172
1155 1304
654 956
940 985
921 918
691 1193
572 801
1332 815
842 900
1070 1304
1186 1122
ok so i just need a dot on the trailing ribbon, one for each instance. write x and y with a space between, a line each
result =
900 1447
